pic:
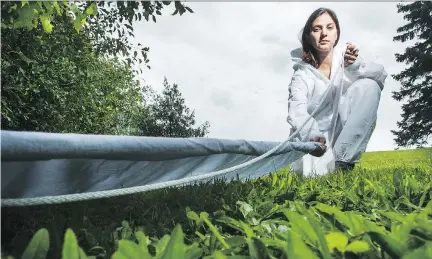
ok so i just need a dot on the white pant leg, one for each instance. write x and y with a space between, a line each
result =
357 120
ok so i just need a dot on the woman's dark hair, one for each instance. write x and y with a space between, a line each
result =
309 52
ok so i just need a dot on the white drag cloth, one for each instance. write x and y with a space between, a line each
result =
48 168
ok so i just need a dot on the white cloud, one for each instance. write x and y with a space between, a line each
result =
231 61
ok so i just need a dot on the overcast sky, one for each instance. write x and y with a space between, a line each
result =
231 61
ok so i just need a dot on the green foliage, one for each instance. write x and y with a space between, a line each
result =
108 24
38 247
71 249
168 116
374 213
28 15
59 82
416 80
47 86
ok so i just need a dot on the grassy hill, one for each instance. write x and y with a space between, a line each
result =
382 209
412 158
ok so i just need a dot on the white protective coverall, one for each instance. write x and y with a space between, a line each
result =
346 116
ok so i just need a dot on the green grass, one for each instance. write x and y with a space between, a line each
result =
380 210
415 158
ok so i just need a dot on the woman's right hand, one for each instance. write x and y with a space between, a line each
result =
319 152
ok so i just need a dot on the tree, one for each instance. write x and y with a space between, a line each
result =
109 24
58 71
416 80
55 83
59 74
168 116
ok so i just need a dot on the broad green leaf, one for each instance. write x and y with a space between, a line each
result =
338 215
70 246
274 242
46 23
282 185
80 18
319 232
394 216
336 240
235 241
130 250
192 215
245 208
82 254
415 187
161 244
357 247
296 248
92 9
301 225
203 214
422 198
175 247
57 8
274 179
38 246
369 226
143 242
356 223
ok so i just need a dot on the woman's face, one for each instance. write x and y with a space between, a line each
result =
323 33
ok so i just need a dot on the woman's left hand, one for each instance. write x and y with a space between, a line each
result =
351 54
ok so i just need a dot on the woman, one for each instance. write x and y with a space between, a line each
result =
347 112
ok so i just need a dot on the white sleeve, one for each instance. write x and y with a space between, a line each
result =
297 109
361 69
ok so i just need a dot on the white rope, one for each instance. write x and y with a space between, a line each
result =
126 191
